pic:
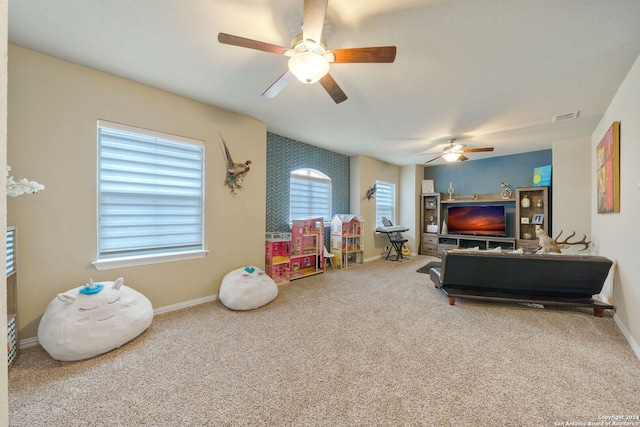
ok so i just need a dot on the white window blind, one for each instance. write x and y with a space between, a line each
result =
150 193
309 194
385 202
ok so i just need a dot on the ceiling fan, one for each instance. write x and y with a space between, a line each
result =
456 152
309 56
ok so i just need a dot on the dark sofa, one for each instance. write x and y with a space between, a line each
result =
535 278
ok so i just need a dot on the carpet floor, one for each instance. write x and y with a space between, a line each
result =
375 345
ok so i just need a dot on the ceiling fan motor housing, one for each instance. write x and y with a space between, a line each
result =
308 62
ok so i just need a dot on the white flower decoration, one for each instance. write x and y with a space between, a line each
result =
24 186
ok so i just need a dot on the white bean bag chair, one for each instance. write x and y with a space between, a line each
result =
247 288
93 319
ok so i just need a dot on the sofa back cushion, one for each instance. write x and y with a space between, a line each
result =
571 276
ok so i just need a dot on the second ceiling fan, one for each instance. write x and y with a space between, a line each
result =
456 152
309 57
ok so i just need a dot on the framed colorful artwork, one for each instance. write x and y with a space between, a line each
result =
542 176
608 171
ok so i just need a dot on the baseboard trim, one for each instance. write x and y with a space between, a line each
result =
32 342
634 345
185 304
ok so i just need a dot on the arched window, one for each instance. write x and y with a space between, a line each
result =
309 194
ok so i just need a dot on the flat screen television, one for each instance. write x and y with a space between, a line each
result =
477 220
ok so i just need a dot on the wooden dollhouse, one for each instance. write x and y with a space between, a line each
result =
277 249
290 256
347 240
307 242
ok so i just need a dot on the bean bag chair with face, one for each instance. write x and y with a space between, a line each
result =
93 319
247 288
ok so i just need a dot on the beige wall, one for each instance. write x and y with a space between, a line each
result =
571 189
616 235
411 186
364 173
53 109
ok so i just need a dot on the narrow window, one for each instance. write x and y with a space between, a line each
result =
385 202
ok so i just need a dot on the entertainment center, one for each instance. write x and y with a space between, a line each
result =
487 221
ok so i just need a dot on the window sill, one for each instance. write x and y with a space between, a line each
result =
109 264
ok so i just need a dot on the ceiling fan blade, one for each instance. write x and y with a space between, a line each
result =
278 85
333 89
313 19
462 158
432 160
385 54
477 150
252 44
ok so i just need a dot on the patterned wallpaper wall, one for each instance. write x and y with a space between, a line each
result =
285 155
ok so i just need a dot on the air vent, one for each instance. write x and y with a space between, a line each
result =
564 117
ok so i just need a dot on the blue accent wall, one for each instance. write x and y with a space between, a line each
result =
485 176
285 155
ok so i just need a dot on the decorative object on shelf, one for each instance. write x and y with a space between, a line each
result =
23 186
524 220
539 203
527 236
450 191
93 319
371 192
475 197
445 230
430 203
247 288
608 170
428 186
236 172
525 202
547 244
542 176
506 193
537 219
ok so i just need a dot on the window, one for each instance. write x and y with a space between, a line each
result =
150 196
385 201
309 194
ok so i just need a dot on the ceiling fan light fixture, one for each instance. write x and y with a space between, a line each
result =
451 156
308 67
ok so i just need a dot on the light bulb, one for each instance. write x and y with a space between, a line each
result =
308 67
451 157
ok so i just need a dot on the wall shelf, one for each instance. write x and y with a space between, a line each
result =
430 212
538 204
476 198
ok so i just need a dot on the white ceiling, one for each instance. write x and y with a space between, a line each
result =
491 71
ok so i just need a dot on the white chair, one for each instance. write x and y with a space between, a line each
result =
330 256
